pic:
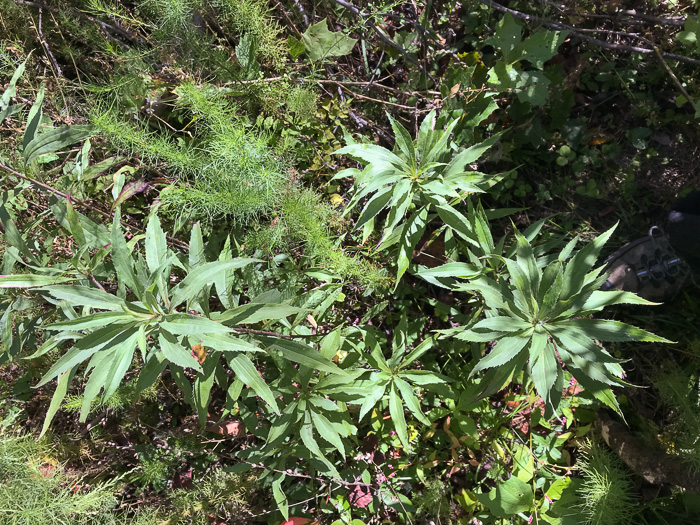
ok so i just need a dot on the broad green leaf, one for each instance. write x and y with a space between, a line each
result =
245 370
326 431
505 350
12 235
550 288
427 136
97 235
84 296
302 354
400 200
606 330
54 140
525 258
27 280
520 280
600 299
203 275
330 344
411 400
11 90
108 337
321 43
508 498
447 272
176 353
323 403
398 417
507 38
540 47
108 368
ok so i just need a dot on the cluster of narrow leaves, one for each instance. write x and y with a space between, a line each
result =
164 322
416 182
538 313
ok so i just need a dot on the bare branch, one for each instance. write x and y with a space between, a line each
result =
579 33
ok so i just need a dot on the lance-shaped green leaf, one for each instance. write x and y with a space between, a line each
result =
27 280
54 140
327 431
506 349
404 141
372 396
411 400
203 383
90 322
543 364
156 244
34 119
245 370
398 417
255 312
606 330
108 337
84 296
108 369
186 324
202 276
307 438
227 343
175 352
155 364
58 395
576 269
122 259
460 162
302 354
375 155
412 233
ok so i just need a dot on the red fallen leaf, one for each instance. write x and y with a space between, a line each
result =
232 428
360 497
183 480
297 521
